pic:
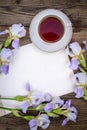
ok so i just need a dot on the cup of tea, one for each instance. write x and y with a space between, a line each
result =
50 30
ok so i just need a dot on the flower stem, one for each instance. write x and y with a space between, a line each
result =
1 98
9 109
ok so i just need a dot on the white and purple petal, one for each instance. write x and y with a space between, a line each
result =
44 121
33 124
27 87
69 52
72 116
73 110
36 98
74 64
79 92
81 78
15 43
25 106
4 32
6 54
58 101
49 107
47 97
75 47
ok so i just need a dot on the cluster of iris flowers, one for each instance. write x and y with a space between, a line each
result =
44 104
15 32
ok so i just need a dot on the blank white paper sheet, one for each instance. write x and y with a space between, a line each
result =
46 72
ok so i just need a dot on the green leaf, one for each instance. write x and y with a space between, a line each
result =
40 107
1 45
51 114
85 92
28 117
0 62
19 98
8 42
83 61
85 97
58 111
16 113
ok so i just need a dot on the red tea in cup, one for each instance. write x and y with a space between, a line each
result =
51 29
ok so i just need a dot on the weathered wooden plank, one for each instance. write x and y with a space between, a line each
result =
11 14
64 3
22 11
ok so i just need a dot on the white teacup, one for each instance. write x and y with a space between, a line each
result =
50 46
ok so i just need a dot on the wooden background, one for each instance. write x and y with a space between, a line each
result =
22 11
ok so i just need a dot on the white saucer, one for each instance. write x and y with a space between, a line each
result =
36 39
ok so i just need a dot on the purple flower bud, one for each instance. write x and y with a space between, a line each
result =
5 68
15 43
65 121
27 87
48 107
68 104
74 64
3 32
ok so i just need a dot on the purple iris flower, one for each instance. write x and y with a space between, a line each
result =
33 98
6 54
44 121
70 113
80 80
17 30
41 121
74 64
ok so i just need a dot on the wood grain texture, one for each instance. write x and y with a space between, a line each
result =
9 122
22 11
